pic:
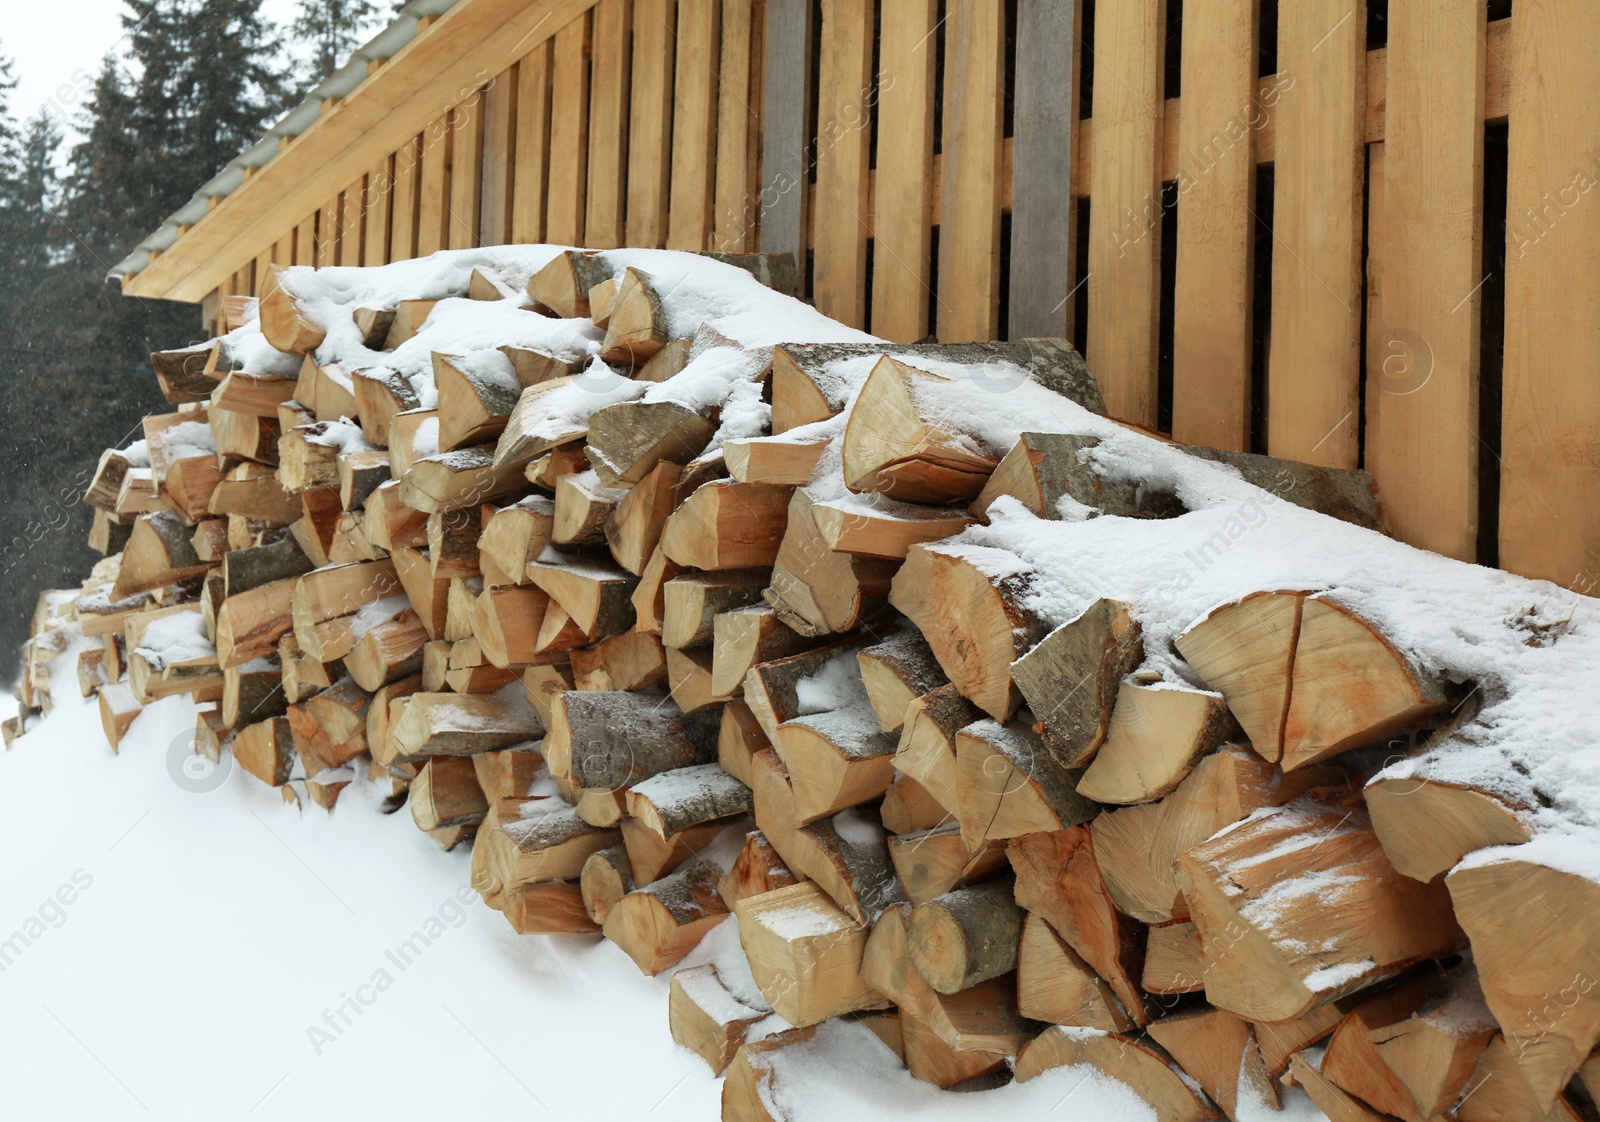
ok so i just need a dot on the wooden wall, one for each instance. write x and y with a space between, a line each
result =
1294 227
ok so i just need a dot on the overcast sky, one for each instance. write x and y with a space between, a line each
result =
57 47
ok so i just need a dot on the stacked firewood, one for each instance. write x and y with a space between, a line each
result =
675 620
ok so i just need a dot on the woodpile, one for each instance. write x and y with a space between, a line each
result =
679 631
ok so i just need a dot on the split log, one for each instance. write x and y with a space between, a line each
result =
547 908
447 724
783 459
563 284
1220 1052
926 750
545 840
633 660
1427 826
516 534
1009 784
606 878
966 936
409 317
186 374
726 525
507 619
390 649
747 1082
968 603
446 793
932 862
1499 1091
1537 975
324 601
692 602
739 737
1306 678
742 638
706 1018
1070 678
665 363
583 505
836 759
896 671
1056 986
453 544
895 447
159 552
477 392
634 527
1138 846
1044 470
883 528
1059 880
285 322
118 708
771 689
381 394
1146 1072
805 954
658 924
266 750
1288 926
628 440
451 480
757 869
1157 735
805 389
303 675
907 807
1173 960
253 691
614 740
817 591
676 800
596 596
507 773
650 856
636 327
689 680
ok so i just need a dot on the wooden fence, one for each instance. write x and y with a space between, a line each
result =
1347 235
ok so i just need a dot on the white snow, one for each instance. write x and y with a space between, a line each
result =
179 637
1332 977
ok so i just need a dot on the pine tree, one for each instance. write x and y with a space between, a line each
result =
331 29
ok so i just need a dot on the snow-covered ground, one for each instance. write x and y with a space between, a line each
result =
177 943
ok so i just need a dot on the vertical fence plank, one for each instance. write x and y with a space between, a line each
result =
403 212
970 194
1313 368
1211 336
376 204
1550 489
499 156
902 219
1125 206
305 240
569 134
844 155
352 222
466 171
283 249
694 125
786 128
263 262
1043 207
533 146
1422 407
650 121
328 232
433 186
608 124
733 219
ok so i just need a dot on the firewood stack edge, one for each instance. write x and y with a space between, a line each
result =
1021 737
